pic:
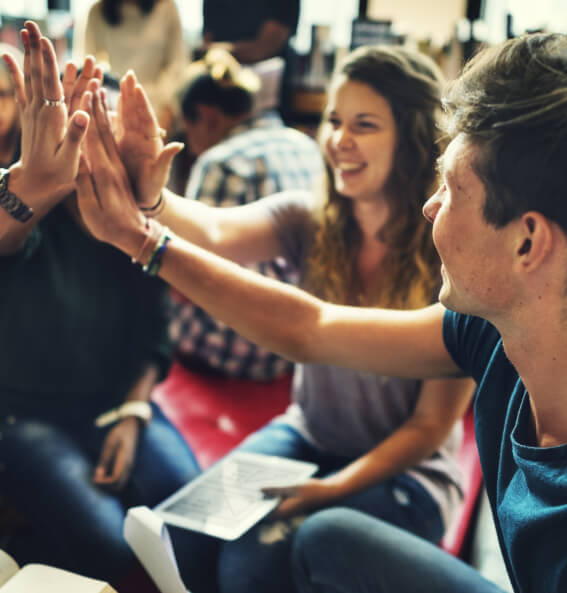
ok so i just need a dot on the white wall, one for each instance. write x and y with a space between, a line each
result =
422 19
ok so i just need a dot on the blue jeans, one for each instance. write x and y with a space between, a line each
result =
341 550
46 473
250 564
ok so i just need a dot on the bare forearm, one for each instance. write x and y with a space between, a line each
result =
291 322
142 389
402 450
190 220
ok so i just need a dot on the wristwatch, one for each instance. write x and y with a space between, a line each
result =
10 202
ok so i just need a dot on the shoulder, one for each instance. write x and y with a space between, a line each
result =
96 9
470 340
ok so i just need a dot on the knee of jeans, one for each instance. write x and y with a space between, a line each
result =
258 561
324 525
21 440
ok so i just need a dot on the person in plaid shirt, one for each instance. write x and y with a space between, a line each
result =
242 157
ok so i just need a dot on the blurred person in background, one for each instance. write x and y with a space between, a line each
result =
143 35
241 157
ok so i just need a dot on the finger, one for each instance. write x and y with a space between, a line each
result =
105 461
103 125
121 469
147 120
17 79
25 37
69 77
86 194
96 152
71 146
35 61
52 88
286 508
82 82
279 492
98 74
165 159
127 110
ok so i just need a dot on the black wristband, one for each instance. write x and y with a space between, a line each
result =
10 202
155 206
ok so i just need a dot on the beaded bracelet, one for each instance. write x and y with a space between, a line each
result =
154 263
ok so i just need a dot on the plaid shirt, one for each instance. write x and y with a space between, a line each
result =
259 157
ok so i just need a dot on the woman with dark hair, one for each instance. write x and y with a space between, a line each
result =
384 445
142 35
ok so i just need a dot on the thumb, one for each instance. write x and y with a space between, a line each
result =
279 491
74 136
104 465
163 163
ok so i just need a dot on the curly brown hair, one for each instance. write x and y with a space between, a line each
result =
411 83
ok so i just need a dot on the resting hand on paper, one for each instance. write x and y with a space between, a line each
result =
104 195
140 143
51 140
118 454
312 494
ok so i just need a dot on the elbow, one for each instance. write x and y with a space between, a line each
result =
301 342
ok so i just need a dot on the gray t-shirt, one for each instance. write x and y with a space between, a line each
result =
348 412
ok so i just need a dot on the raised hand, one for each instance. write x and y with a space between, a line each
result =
50 140
140 143
75 86
104 195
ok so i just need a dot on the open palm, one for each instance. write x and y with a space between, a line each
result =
140 145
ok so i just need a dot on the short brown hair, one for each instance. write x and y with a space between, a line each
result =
511 101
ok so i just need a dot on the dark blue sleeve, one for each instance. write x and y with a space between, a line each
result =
470 341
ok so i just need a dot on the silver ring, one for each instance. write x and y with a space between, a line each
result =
56 103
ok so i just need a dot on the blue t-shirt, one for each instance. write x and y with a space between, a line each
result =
526 485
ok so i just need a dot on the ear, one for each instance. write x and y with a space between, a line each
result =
534 240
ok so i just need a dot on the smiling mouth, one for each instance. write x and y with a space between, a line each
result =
350 167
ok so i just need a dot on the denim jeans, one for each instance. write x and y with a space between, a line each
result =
259 561
341 550
46 468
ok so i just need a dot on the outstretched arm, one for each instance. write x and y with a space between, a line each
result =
50 139
279 317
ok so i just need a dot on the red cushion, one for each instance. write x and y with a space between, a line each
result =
213 413
469 463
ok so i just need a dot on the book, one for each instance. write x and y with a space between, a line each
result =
41 578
